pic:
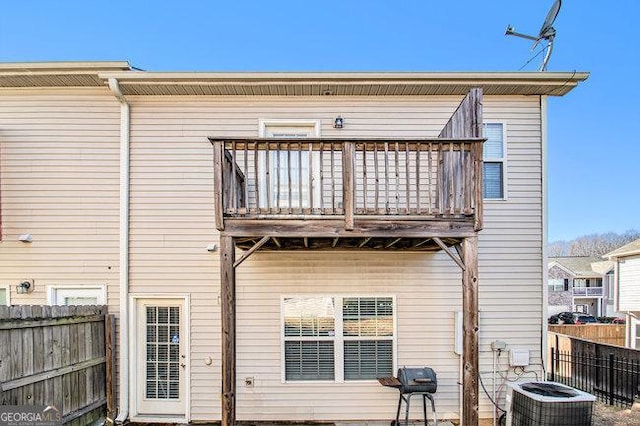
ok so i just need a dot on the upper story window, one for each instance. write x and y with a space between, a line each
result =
336 338
494 161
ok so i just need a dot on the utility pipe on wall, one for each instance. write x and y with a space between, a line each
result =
123 405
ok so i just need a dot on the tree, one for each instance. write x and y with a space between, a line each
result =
592 245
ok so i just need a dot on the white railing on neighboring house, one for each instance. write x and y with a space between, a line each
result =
588 291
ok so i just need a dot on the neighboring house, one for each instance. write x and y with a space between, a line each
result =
581 284
366 211
627 288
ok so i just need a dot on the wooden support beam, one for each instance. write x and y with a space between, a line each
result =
333 228
348 176
228 313
470 373
249 252
276 241
450 253
306 242
335 241
392 243
422 242
363 243
458 248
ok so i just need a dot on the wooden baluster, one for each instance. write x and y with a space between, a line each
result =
407 168
300 176
397 182
466 204
233 205
321 189
333 181
256 175
267 168
364 176
310 186
288 146
451 180
386 176
429 182
245 184
418 151
439 210
348 163
377 187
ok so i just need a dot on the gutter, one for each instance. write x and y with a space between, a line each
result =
125 115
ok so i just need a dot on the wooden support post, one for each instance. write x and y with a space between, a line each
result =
218 157
228 310
470 332
348 169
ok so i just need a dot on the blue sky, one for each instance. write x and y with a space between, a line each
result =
594 147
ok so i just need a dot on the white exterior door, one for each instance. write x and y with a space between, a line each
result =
161 357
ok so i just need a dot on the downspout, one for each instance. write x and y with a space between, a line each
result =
544 136
123 405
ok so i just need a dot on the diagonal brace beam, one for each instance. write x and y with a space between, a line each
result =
450 253
250 251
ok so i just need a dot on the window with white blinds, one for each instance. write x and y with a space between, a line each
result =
493 161
338 338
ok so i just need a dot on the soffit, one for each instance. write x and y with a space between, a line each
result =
141 83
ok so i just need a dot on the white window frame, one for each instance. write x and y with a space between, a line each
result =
54 289
338 339
8 293
502 160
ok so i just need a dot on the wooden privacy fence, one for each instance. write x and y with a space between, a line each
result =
57 355
610 334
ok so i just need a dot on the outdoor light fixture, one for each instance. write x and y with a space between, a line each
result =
25 238
338 122
25 287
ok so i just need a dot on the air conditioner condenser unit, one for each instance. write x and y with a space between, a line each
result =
547 404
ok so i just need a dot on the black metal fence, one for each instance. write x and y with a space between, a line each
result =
612 379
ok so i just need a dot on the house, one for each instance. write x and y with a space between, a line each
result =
581 284
627 288
284 237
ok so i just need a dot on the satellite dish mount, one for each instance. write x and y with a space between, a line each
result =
547 33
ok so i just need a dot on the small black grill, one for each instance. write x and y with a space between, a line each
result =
413 381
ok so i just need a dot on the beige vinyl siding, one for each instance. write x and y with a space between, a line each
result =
59 176
629 283
172 223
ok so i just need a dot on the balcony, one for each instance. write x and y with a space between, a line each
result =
268 182
393 193
587 291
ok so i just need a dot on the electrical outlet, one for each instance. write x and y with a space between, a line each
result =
249 382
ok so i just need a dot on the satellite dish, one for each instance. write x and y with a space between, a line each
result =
547 33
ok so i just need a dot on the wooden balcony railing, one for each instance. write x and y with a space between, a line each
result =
324 178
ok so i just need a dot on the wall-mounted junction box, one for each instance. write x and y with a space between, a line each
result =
519 357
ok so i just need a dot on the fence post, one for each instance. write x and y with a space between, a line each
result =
110 368
553 364
611 379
